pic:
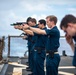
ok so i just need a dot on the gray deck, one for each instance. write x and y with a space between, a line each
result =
18 67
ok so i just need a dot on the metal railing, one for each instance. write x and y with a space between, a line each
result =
15 41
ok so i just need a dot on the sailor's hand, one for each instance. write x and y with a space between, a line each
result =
24 37
20 27
25 26
69 39
16 26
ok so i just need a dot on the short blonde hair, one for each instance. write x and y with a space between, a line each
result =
52 18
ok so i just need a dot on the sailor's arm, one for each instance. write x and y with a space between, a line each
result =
36 30
21 27
72 46
69 40
29 32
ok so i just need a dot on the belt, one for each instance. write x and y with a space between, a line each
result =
48 51
54 53
39 48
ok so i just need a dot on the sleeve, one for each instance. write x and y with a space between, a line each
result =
36 34
50 31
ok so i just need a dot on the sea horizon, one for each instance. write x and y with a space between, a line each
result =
18 47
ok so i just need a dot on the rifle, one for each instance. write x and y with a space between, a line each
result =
18 23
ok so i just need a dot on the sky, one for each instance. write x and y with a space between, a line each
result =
12 11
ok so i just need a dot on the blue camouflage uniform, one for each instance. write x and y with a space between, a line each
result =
52 59
74 58
39 54
31 42
29 47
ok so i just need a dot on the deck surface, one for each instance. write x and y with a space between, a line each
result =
18 67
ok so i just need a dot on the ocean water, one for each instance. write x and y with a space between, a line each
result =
18 47
65 46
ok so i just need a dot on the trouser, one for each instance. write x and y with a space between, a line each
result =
39 62
29 56
74 58
0 54
31 59
52 64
